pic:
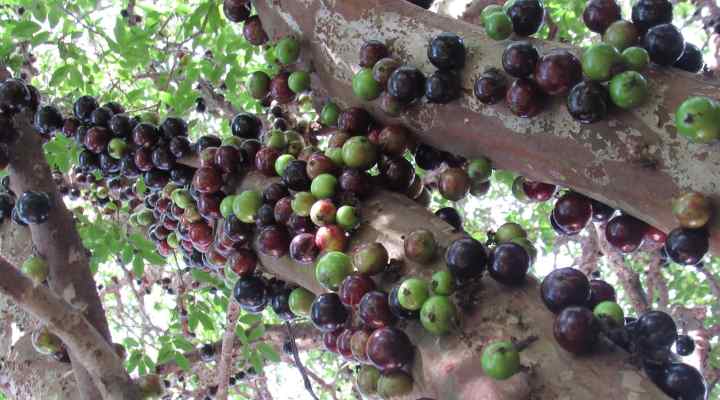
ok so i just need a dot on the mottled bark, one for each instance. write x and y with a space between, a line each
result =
634 160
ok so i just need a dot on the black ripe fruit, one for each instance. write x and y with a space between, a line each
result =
328 313
576 329
563 288
524 98
446 51
236 10
33 207
83 108
442 87
587 102
655 330
526 16
451 216
664 43
519 59
14 96
649 13
48 120
251 292
681 381
687 246
246 125
406 84
509 264
557 72
490 88
466 259
691 60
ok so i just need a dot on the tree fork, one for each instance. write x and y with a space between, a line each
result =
633 161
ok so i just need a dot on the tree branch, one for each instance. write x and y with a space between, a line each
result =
82 339
226 353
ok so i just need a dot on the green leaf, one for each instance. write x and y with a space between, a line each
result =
165 354
138 266
268 352
256 333
182 361
133 361
257 361
183 344
25 29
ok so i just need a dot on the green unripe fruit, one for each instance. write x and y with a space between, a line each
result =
168 189
182 198
412 293
332 268
367 380
117 148
621 34
46 342
258 84
509 231
276 140
365 86
347 218
232 141
35 268
489 10
226 206
133 220
172 240
102 192
628 89
394 384
323 186
150 117
438 315
329 114
698 119
611 311
527 245
246 204
282 162
636 58
442 283
300 301
302 202
480 169
336 155
358 152
600 61
498 26
299 81
500 360
287 50
145 217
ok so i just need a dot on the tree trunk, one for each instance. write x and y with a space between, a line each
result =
634 160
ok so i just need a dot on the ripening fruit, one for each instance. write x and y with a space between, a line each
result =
692 210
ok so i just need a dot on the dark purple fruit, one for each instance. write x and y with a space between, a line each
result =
236 10
273 241
564 287
526 16
451 216
265 160
600 211
328 313
572 212
557 72
145 135
625 233
295 176
163 159
427 157
538 191
509 263
397 173
390 349
172 127
207 180
83 108
253 31
681 382
687 246
466 259
355 121
519 59
684 345
691 59
588 102
599 14
97 139
665 44
446 51
280 90
121 125
274 192
281 305
371 52
156 179
490 87
353 289
246 125
442 87
303 249
48 120
207 141
14 96
251 292
649 13
524 98
101 116
576 330
600 291
655 330
406 84
374 310
33 207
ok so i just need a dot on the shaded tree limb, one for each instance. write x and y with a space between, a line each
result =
224 363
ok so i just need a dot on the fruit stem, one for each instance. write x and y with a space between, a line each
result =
298 363
523 344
